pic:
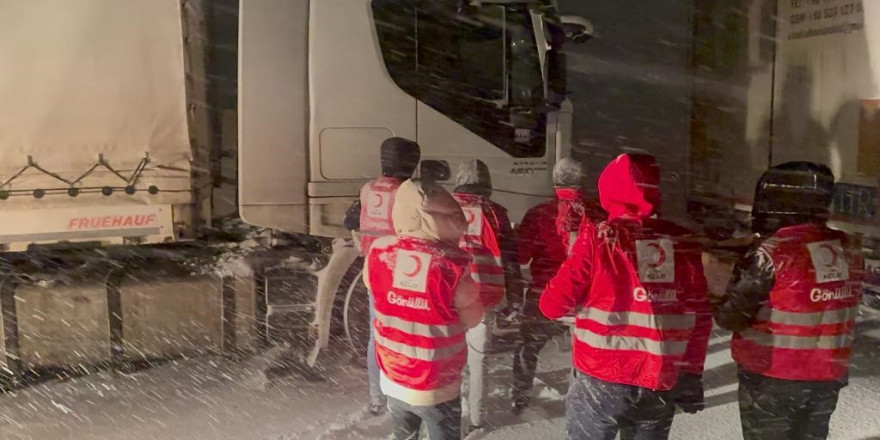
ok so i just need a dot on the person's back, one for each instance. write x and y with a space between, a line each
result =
645 284
370 215
547 230
483 242
409 276
541 247
489 238
376 202
425 301
636 287
544 239
813 282
792 305
370 218
490 242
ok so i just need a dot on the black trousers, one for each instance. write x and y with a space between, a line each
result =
442 421
598 410
775 409
535 332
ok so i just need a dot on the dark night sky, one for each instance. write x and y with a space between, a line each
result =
630 85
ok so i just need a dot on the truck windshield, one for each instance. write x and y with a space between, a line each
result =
557 80
482 52
467 55
526 81
476 67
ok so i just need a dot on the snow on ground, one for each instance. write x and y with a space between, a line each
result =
215 399
199 399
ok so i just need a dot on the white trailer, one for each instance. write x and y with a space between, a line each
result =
785 80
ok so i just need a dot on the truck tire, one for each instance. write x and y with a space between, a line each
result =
356 309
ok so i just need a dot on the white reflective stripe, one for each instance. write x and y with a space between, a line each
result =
484 278
832 342
659 322
835 316
473 245
373 233
422 353
487 260
419 329
630 343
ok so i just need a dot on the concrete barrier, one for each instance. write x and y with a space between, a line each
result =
69 325
168 318
62 325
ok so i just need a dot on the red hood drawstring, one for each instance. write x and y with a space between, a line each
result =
571 210
612 234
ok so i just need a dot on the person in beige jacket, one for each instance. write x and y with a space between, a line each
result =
424 301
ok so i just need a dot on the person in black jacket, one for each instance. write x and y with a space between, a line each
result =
791 305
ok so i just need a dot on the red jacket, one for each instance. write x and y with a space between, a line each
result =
424 297
804 332
377 203
486 221
546 229
420 339
636 286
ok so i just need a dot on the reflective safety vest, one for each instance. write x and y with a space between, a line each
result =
420 341
640 317
377 201
482 242
805 330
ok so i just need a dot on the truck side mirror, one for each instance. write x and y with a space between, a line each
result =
577 29
435 170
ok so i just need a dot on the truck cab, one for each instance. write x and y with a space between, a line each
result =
323 83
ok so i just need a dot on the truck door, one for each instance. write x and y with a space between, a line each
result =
273 113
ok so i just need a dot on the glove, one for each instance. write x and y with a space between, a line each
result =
510 314
688 393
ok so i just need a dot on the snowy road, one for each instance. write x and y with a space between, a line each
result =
215 399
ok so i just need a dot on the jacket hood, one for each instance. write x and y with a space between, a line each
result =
399 157
630 186
473 178
426 211
569 173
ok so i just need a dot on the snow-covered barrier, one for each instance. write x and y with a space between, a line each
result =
128 319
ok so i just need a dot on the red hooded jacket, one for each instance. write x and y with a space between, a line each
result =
636 285
546 229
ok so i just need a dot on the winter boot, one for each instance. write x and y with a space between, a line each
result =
376 409
520 403
472 428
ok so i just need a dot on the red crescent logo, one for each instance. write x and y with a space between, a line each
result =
661 255
470 216
830 249
379 200
417 264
